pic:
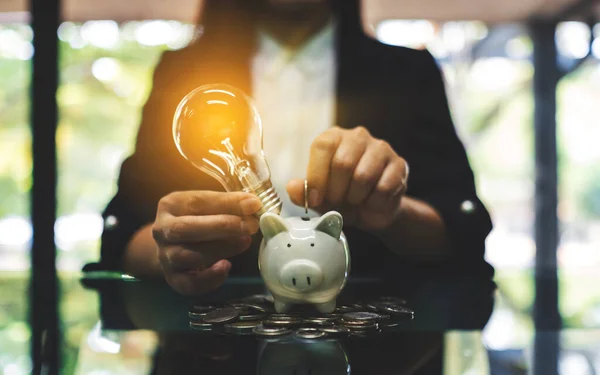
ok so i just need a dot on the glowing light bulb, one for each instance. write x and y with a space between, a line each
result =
218 129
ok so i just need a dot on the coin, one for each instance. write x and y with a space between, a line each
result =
251 316
241 328
243 310
335 330
355 323
197 312
292 322
201 326
282 317
332 316
395 310
309 333
256 307
223 315
256 298
361 316
261 330
320 321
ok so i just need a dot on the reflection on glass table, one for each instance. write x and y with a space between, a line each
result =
145 327
118 325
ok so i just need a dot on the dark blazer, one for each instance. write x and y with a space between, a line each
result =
396 93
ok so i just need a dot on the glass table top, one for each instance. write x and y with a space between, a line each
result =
115 324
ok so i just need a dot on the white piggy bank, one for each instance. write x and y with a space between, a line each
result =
304 260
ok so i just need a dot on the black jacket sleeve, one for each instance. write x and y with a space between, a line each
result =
440 173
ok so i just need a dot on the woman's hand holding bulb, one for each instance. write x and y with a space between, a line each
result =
196 231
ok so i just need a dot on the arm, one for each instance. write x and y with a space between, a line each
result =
133 207
154 170
417 216
441 176
441 216
140 258
418 231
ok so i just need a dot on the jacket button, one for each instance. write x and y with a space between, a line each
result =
111 222
467 207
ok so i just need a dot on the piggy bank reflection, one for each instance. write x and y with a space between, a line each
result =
304 261
303 358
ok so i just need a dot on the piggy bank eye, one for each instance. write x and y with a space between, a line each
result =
312 244
289 245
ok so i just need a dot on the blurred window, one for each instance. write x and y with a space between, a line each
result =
16 51
489 72
106 75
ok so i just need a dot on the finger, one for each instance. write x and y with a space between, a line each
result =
367 173
207 202
319 163
343 164
189 229
390 185
197 282
202 255
295 190
349 213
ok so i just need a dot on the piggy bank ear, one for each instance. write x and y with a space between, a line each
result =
331 223
271 225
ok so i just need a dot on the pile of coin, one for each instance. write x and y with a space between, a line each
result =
255 315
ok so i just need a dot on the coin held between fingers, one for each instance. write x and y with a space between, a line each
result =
306 197
405 178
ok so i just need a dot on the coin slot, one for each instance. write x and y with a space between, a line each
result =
308 279
289 245
294 281
312 244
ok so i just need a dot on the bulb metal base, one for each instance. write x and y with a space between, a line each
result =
269 198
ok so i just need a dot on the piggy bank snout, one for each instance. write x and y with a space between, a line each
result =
301 275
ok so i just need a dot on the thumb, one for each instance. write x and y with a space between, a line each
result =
295 189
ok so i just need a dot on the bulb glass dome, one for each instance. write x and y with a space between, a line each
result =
218 129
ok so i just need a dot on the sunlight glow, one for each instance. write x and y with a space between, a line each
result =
154 33
106 69
77 227
14 46
596 48
413 34
572 39
15 231
102 34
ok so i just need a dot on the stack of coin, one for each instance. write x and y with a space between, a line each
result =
283 320
255 315
362 321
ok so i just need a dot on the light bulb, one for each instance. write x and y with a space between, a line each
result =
218 129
